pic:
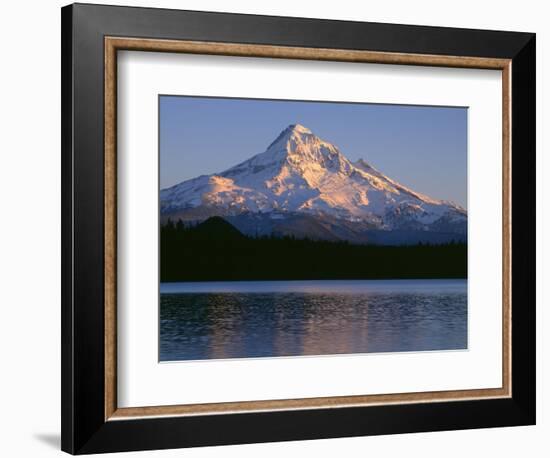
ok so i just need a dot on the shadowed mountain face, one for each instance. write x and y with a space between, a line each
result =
305 187
216 228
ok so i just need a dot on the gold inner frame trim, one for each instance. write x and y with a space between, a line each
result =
114 44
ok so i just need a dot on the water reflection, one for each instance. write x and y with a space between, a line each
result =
291 321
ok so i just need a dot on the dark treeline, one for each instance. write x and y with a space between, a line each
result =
215 250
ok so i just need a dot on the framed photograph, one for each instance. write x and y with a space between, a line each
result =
281 228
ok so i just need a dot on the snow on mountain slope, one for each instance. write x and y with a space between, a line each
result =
299 173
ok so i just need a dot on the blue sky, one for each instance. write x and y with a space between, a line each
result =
424 148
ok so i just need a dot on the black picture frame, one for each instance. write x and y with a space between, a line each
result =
84 428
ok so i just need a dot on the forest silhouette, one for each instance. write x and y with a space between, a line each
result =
214 250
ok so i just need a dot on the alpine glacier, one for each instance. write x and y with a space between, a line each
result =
304 186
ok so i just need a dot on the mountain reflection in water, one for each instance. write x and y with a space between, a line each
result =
269 319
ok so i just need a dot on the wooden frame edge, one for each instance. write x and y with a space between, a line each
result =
111 46
292 52
334 402
110 234
507 227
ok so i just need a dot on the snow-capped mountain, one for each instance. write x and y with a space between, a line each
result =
303 185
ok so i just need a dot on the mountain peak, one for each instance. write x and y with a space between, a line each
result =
300 149
298 128
293 131
300 173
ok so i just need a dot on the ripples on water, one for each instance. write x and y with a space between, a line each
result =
313 320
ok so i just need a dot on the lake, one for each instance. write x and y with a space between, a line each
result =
218 320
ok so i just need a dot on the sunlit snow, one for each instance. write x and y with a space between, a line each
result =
301 173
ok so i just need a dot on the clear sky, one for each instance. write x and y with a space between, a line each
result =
424 148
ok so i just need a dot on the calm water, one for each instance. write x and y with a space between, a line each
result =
216 320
